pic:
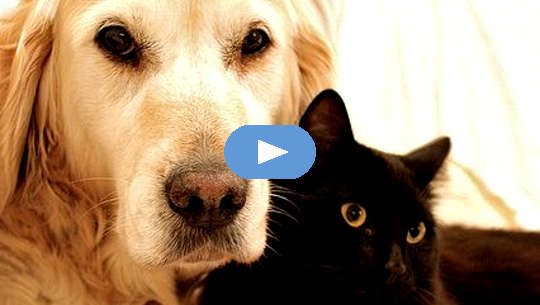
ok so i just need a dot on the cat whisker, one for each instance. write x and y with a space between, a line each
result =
425 291
421 300
323 267
425 296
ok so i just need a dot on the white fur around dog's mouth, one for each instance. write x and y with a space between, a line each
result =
206 254
157 236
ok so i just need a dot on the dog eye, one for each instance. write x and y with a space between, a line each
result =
256 41
117 41
416 234
354 214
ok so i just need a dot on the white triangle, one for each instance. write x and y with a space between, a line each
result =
267 152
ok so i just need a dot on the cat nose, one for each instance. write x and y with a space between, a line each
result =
395 265
206 199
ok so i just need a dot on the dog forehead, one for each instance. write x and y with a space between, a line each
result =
189 25
184 15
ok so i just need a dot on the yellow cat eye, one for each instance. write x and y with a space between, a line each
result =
416 234
354 214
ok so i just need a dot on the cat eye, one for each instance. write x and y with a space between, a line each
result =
354 214
255 41
416 234
117 41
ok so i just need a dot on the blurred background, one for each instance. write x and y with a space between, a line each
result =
470 69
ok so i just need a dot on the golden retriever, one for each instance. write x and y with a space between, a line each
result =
113 119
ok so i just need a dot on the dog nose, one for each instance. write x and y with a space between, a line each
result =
206 199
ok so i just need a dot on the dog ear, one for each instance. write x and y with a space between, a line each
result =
317 26
25 44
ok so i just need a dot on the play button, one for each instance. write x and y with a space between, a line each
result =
269 151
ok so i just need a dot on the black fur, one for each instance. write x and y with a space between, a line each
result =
492 267
314 256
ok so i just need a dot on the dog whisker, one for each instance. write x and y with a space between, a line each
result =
96 179
285 199
279 211
100 204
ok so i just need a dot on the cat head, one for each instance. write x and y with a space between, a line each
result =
366 216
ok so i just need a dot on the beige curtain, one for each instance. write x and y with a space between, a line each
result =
5 4
470 69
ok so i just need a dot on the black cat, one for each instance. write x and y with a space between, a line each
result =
495 267
356 229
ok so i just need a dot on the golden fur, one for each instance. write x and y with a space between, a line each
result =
85 144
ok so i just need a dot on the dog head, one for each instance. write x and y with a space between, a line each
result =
146 93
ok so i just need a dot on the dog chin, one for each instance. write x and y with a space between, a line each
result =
187 271
203 259
206 255
211 255
207 259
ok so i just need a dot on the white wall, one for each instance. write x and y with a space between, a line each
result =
412 70
7 4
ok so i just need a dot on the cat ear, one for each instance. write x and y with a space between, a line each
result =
327 121
426 161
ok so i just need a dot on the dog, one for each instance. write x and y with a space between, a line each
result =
113 120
